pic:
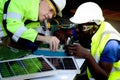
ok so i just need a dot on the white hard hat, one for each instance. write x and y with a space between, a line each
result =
88 12
60 4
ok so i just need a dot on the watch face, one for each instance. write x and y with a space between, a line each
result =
26 68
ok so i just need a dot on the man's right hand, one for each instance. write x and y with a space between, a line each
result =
51 40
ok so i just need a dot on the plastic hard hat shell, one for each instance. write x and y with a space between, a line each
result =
87 12
60 5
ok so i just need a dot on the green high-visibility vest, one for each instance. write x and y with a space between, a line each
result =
105 33
17 13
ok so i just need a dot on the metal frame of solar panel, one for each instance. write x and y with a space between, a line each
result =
26 68
66 64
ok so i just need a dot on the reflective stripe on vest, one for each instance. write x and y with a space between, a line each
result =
22 29
18 33
1 32
12 15
92 79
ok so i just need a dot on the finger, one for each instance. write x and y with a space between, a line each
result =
72 48
53 46
50 45
56 44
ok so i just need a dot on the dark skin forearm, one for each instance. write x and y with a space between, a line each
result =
95 68
99 70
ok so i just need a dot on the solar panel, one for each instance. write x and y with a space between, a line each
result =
64 63
26 68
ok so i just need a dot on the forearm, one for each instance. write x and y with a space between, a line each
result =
40 38
96 71
19 30
51 40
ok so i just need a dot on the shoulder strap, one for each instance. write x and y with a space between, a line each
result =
5 15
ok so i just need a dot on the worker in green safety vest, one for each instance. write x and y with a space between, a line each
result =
19 18
103 59
15 13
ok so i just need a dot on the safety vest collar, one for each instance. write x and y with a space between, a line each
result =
97 38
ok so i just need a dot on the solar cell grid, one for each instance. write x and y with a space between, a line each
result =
22 67
64 63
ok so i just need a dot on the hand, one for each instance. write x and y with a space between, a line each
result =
76 50
51 40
